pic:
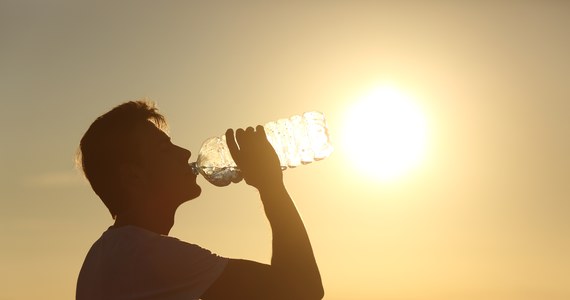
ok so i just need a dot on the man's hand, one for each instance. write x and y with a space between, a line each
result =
255 157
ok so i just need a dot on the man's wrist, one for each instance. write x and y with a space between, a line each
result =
271 187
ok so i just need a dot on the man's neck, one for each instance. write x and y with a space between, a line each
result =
157 221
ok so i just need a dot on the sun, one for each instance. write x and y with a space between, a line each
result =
385 134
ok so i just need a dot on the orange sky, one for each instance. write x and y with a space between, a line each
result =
484 216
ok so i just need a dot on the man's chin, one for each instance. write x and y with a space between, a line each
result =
196 191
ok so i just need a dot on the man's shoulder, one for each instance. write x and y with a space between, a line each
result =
143 262
126 238
136 242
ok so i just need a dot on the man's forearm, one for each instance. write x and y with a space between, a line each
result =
293 259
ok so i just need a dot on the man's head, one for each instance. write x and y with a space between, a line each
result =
129 160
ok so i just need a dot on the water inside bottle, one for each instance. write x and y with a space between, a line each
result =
218 176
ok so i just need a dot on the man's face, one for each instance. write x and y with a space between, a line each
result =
166 174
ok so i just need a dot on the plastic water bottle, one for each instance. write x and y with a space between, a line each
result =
297 140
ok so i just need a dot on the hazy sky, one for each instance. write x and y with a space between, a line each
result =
485 216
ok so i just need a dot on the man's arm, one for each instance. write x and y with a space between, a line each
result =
293 273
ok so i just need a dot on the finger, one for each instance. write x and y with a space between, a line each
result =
246 139
260 130
240 135
250 132
232 146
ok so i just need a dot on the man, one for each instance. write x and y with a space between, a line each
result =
142 178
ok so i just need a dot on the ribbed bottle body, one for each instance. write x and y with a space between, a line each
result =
300 139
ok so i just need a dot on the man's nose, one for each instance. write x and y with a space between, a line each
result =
185 153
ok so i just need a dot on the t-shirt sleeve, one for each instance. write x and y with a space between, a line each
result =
176 269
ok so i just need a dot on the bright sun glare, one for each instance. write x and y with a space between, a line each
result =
385 134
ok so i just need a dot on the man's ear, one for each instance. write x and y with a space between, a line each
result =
131 176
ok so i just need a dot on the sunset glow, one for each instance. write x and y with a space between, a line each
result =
385 133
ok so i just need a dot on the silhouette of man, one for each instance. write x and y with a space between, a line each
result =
143 178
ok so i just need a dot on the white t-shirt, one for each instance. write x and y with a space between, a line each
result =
133 263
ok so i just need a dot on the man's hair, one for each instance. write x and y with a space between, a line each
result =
109 143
